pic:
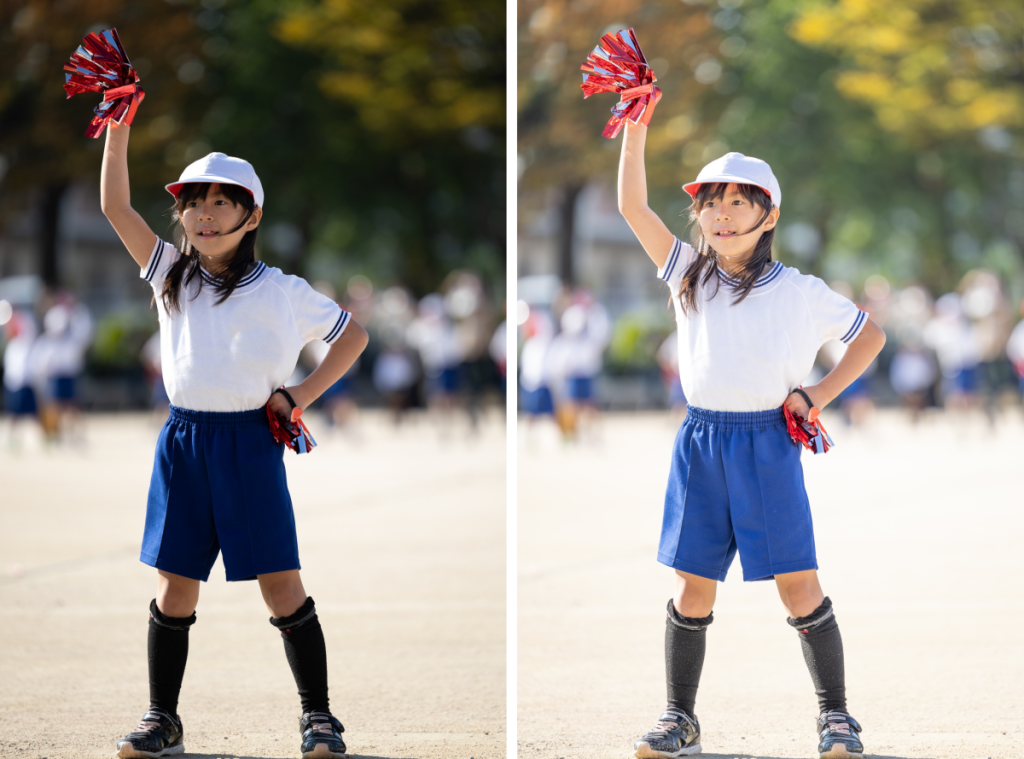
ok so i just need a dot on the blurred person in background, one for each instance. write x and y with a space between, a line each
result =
395 375
433 335
574 362
953 338
467 306
983 303
913 375
536 400
668 362
150 358
1015 351
498 350
60 356
20 401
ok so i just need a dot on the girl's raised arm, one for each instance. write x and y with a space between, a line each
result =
115 197
646 225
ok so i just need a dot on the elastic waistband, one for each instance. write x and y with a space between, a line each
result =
747 420
222 418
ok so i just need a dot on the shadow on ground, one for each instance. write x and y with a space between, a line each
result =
763 756
193 755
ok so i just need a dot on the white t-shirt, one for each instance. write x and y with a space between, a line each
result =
231 356
750 356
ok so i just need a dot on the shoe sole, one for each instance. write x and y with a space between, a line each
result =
644 751
839 751
128 751
320 751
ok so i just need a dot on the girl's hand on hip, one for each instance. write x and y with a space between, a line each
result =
280 405
798 406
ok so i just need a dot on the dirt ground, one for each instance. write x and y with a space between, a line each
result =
919 535
402 541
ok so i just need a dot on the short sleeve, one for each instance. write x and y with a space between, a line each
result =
317 317
155 271
834 317
680 256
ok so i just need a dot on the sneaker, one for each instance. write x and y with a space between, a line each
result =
676 734
321 736
840 736
158 734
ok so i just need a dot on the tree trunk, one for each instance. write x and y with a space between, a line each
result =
567 234
49 232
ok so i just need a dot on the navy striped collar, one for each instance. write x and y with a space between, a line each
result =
770 276
248 279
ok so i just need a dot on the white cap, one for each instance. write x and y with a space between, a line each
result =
223 169
738 169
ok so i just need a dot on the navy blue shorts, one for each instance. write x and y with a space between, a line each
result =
219 485
537 402
64 389
20 402
580 388
736 482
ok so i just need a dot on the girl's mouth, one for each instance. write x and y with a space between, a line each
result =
724 233
207 233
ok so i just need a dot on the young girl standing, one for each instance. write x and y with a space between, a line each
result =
231 329
749 329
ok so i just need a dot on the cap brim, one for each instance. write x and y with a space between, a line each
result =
692 187
175 187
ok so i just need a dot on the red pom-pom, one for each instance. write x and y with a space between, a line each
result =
618 64
101 65
810 434
293 434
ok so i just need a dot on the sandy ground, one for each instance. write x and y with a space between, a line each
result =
402 541
919 535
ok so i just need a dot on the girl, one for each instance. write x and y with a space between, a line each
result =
231 330
748 330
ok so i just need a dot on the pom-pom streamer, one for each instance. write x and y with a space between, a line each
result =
810 433
293 434
618 64
101 65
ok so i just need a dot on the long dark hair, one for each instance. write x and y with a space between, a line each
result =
705 266
186 269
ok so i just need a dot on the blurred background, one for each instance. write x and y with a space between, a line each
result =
377 132
895 130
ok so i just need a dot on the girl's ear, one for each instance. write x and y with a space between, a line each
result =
773 218
254 220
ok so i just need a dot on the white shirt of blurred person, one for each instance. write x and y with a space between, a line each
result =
535 395
433 335
1015 349
951 335
500 353
59 355
912 370
575 357
668 360
19 395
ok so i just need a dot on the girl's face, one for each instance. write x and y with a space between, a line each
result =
724 220
209 221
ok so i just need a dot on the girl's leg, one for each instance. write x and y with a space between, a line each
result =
294 614
689 614
811 615
171 614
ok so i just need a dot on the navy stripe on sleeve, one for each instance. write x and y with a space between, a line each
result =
154 259
857 323
673 258
339 326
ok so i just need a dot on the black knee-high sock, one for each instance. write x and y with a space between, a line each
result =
823 651
684 657
307 655
168 652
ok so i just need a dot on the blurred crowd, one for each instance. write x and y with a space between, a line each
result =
444 352
962 351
